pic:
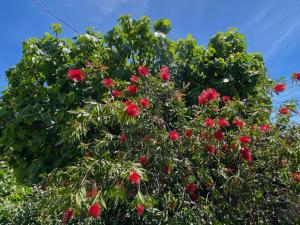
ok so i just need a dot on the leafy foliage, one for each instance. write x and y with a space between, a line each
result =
11 193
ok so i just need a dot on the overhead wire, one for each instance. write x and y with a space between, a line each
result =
50 12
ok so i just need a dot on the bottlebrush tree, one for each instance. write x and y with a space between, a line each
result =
136 140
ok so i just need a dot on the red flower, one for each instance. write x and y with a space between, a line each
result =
265 127
132 89
143 71
209 122
226 98
211 148
296 176
173 135
108 83
225 147
296 76
117 93
134 177
132 110
191 188
143 160
95 210
207 95
140 209
167 169
284 110
134 78
144 102
194 196
127 102
188 133
279 88
164 73
122 138
238 123
246 154
68 214
202 100
245 139
75 75
223 122
211 94
218 134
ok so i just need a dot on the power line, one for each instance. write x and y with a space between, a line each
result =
53 14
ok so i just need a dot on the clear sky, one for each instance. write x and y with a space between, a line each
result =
272 27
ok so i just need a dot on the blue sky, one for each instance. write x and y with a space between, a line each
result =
272 27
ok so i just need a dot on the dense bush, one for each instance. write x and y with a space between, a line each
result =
11 193
133 128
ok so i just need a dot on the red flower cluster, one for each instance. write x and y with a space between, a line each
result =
223 122
218 134
117 93
188 133
246 154
132 89
144 71
296 176
265 127
108 83
140 209
127 102
132 110
134 78
207 95
173 135
226 99
134 177
164 73
209 122
75 75
144 102
238 123
296 76
191 188
211 148
279 88
122 138
95 210
68 214
143 160
283 110
245 139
